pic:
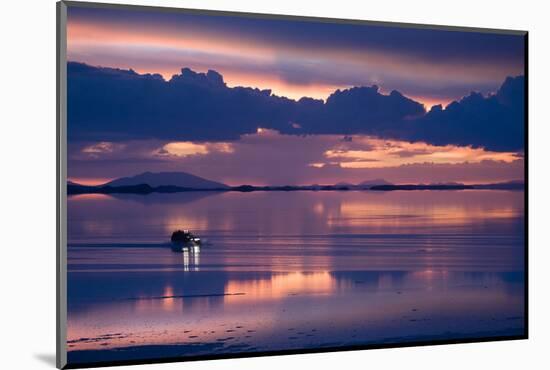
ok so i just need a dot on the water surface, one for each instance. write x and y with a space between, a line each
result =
291 270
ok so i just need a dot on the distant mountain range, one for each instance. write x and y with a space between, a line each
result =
365 185
174 182
374 182
509 185
178 179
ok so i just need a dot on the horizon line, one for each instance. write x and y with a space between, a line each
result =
71 181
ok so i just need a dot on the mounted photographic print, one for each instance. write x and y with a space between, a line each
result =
234 185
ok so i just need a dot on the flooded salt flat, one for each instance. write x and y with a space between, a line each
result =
293 270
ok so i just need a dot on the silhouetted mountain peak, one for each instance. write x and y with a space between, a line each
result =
375 182
180 179
343 183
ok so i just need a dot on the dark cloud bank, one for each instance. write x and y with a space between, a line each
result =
111 104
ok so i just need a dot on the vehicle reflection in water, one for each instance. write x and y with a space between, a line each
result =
191 258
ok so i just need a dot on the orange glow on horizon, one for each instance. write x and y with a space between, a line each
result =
92 196
91 181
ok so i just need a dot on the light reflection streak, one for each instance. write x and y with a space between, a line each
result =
191 258
280 286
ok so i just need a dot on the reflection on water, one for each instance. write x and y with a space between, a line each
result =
191 254
138 218
291 270
281 285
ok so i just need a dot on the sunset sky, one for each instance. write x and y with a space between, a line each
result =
346 137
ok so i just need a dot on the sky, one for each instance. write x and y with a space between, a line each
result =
270 101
